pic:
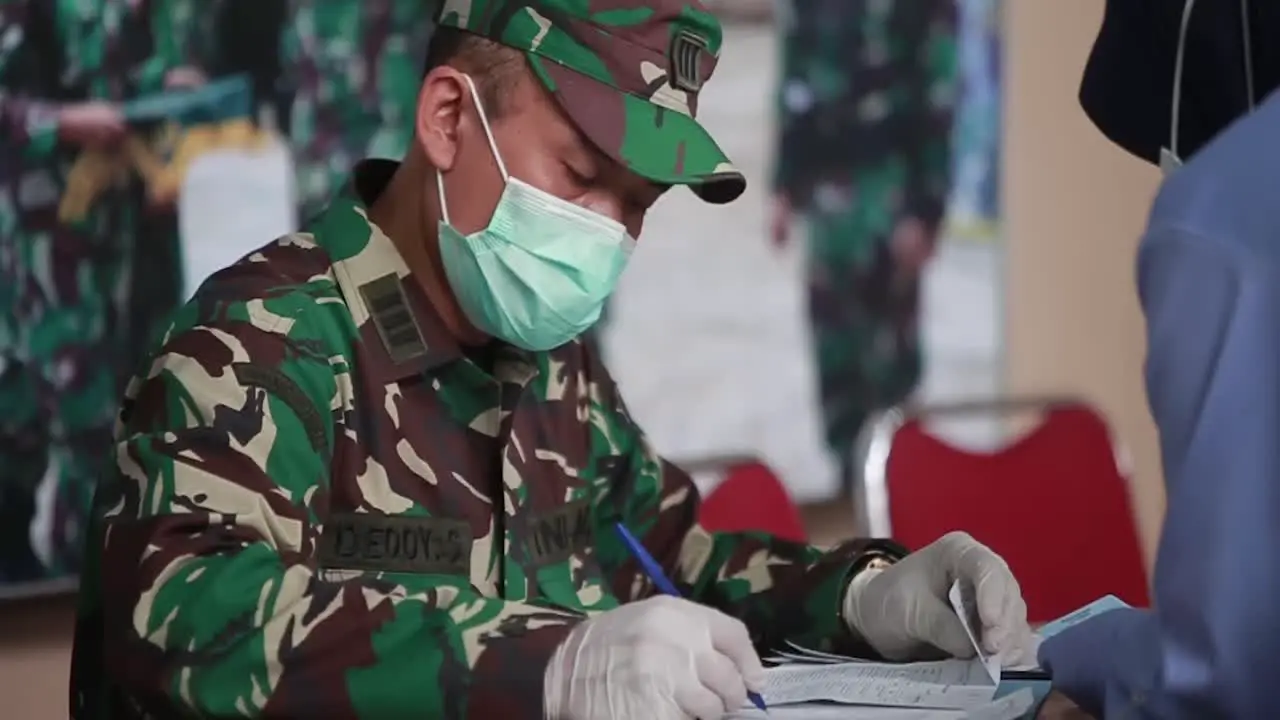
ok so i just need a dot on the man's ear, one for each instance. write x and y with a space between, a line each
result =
440 103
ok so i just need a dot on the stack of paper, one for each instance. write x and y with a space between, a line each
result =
942 690
813 685
1009 707
947 684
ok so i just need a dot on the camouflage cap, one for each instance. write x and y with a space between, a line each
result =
627 72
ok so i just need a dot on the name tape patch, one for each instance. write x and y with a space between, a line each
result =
380 543
561 533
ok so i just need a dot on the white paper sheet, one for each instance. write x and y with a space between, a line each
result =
946 684
811 680
793 653
965 606
1010 707
847 712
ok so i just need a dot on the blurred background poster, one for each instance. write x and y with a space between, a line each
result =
727 336
65 355
209 128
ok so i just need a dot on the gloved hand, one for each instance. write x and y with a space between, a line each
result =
903 611
663 658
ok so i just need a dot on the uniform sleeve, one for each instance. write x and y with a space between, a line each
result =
26 43
781 590
1213 382
929 73
213 604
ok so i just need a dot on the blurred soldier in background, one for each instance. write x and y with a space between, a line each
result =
866 99
156 286
341 77
66 283
246 41
354 67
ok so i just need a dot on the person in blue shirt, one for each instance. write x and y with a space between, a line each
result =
1209 281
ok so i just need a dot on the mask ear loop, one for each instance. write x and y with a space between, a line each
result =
488 136
1247 46
1248 53
488 131
1177 76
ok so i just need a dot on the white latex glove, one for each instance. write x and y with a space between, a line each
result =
663 658
903 611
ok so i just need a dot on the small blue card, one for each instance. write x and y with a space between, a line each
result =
1040 688
1097 607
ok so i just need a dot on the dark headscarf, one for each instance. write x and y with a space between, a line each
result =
1127 89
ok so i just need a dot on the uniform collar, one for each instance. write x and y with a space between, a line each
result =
402 331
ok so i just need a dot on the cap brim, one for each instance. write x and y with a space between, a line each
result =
656 143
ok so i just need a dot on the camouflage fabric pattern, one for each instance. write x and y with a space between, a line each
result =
63 286
355 67
627 72
320 505
866 100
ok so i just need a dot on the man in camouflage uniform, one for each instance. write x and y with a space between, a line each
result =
335 495
65 66
866 98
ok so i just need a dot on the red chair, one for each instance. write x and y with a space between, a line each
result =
1054 503
747 496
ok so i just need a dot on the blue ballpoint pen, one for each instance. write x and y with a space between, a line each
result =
659 578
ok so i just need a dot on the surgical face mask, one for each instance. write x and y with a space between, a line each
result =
539 274
1170 160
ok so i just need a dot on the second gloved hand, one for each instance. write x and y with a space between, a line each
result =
658 659
904 613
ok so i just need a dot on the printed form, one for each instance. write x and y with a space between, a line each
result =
941 685
946 684
1013 706
812 685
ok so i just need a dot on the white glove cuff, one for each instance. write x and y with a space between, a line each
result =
555 680
849 612
553 690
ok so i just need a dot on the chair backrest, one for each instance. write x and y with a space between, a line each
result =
748 497
1055 504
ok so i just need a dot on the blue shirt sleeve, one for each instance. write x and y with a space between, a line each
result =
1213 381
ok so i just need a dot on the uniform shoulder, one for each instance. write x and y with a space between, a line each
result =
274 320
286 277
1224 192
281 298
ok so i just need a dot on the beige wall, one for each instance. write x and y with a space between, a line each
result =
1074 208
35 649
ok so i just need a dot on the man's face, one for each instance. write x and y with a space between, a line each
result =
538 144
